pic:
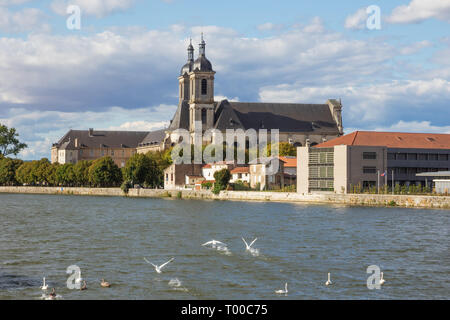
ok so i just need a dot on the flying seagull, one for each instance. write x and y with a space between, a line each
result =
249 246
158 268
214 243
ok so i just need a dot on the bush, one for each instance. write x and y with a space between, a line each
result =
126 186
222 178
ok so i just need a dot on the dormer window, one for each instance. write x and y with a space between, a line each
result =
204 86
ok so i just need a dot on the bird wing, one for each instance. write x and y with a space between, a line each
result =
246 244
162 266
149 262
206 243
253 242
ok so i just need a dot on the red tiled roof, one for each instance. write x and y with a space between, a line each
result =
289 162
206 166
391 140
240 170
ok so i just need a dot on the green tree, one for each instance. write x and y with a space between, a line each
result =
140 169
286 149
8 169
81 172
65 175
105 173
23 173
222 178
9 142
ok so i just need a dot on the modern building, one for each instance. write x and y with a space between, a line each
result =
441 180
371 159
78 145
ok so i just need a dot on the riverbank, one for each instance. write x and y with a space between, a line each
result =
417 201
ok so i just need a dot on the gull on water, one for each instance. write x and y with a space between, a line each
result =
382 281
214 243
328 281
249 248
44 286
158 268
285 291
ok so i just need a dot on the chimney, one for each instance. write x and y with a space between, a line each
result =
308 143
91 132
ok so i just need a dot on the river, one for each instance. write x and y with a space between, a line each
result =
108 237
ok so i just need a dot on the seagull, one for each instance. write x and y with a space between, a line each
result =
249 247
158 268
328 281
285 291
382 281
214 243
44 286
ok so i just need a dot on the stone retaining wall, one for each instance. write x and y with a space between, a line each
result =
347 199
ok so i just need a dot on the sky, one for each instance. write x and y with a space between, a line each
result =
119 70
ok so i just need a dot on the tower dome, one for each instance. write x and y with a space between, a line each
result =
188 67
202 64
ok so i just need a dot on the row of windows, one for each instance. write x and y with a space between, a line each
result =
321 158
415 170
103 153
321 172
418 156
321 184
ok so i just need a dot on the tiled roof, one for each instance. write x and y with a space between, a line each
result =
289 162
240 170
391 140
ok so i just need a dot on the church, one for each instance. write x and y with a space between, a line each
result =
298 124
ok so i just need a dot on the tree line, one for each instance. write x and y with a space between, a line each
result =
146 170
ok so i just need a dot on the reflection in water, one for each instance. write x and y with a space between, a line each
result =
108 238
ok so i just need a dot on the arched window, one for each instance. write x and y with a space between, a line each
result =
204 86
203 115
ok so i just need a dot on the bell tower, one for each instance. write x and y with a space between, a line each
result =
183 79
201 96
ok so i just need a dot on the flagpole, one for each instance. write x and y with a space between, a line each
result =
385 182
392 182
378 181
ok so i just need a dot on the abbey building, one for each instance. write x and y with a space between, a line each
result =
300 124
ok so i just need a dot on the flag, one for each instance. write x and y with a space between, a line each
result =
383 174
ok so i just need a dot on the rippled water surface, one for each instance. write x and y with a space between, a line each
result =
109 237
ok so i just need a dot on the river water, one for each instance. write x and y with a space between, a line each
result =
108 237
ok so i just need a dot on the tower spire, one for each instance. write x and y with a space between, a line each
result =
202 50
190 51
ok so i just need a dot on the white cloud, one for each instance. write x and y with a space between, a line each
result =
99 8
415 47
371 105
12 2
25 20
356 20
415 126
269 26
420 10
